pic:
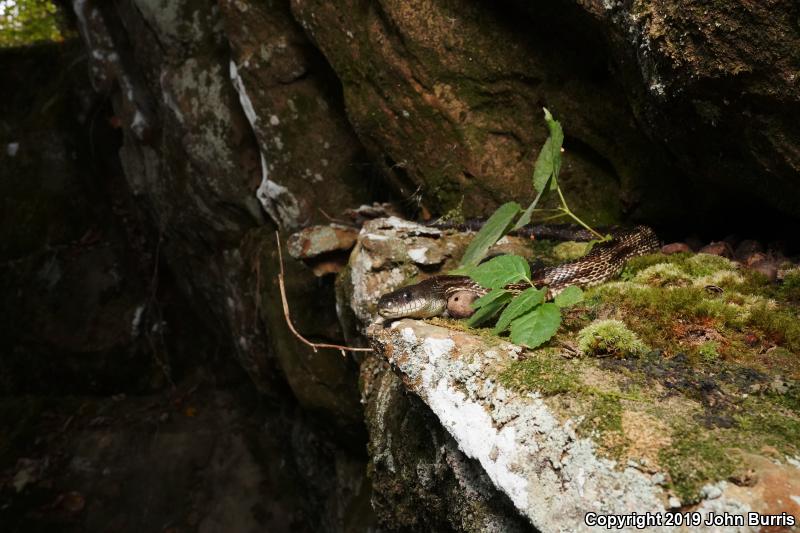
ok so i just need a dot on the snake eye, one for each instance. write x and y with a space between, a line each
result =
406 295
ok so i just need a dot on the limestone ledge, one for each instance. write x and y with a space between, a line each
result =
532 454
553 477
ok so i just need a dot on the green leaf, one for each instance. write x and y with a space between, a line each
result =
526 216
494 228
548 163
524 302
493 295
536 327
500 271
569 297
489 310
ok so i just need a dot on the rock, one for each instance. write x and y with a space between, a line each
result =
309 161
424 482
675 248
720 248
755 257
317 240
689 86
767 267
746 249
447 100
694 243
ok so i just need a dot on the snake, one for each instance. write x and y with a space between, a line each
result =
430 297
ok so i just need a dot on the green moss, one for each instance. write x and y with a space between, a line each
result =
609 337
691 265
790 288
709 351
569 250
544 372
782 326
605 414
694 458
662 274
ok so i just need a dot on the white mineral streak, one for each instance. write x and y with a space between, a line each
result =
552 477
137 321
278 201
418 255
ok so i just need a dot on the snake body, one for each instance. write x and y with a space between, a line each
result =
606 260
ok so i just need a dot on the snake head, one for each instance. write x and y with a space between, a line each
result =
414 301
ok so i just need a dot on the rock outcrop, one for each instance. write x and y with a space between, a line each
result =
564 438
221 123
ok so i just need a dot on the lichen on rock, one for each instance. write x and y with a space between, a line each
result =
615 434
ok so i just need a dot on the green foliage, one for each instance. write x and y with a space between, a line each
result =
537 326
548 164
531 321
497 226
527 300
26 22
488 306
568 297
500 271
609 337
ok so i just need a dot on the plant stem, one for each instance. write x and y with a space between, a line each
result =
568 211
553 217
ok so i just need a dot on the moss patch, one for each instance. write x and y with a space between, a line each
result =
545 372
609 337
693 459
719 375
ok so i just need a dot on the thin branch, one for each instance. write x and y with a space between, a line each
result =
314 345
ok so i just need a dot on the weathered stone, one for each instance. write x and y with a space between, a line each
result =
76 312
448 97
694 73
720 248
311 162
531 443
421 480
675 248
747 248
523 447
317 240
767 267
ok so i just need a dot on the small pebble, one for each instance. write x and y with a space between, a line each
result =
720 248
674 502
675 248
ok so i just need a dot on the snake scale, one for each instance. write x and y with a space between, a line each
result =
606 260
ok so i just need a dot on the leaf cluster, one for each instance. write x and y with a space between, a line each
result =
26 22
524 314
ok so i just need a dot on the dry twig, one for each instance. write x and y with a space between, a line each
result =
314 345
